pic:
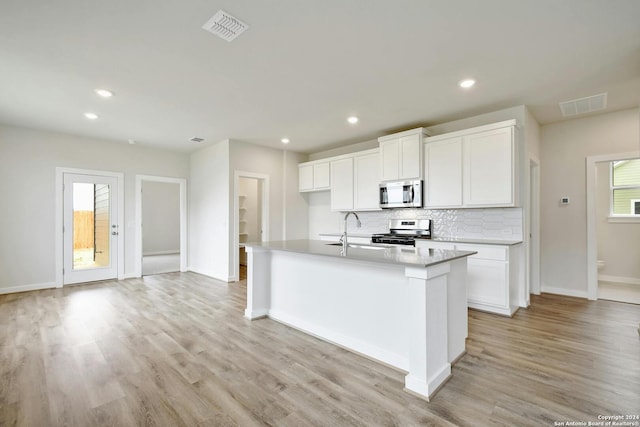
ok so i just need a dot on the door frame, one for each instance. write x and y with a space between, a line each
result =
235 238
533 226
182 182
592 231
59 218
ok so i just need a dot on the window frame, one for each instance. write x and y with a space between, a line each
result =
621 218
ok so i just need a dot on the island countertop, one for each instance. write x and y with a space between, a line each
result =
407 256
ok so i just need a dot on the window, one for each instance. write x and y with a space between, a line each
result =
625 188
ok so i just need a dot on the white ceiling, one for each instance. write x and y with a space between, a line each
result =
303 66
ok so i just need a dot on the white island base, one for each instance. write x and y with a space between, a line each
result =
412 317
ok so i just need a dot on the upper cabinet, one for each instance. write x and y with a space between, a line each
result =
471 168
443 173
352 178
401 155
487 170
366 177
314 176
342 190
355 179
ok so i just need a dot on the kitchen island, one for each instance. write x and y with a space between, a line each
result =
405 307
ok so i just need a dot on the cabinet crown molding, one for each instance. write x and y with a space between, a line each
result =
483 128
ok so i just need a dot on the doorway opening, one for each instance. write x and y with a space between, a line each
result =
613 227
161 225
251 217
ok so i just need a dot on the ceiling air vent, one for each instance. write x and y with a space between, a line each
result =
225 26
196 140
584 105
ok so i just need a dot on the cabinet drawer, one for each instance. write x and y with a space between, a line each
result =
427 244
494 253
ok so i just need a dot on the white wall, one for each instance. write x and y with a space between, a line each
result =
28 159
209 201
296 213
618 243
287 210
211 228
564 147
160 218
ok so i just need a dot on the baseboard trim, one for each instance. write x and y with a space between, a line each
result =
206 273
619 279
563 291
27 288
161 253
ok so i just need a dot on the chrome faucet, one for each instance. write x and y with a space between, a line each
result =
343 239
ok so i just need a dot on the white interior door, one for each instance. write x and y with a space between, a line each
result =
90 232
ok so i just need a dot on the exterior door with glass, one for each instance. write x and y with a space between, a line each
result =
90 232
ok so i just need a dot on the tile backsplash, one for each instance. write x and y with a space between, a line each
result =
492 223
488 223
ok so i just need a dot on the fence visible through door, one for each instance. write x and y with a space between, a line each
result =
91 230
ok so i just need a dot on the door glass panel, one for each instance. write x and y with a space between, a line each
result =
90 225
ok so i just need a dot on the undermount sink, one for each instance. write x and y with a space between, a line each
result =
351 245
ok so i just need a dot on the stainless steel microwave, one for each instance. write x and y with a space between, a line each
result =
401 194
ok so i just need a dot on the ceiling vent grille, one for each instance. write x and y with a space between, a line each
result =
225 26
584 105
196 140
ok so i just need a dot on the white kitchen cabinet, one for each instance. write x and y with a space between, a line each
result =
471 168
401 155
443 174
314 176
366 177
488 175
342 188
493 282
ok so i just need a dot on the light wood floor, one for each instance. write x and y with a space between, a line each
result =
174 350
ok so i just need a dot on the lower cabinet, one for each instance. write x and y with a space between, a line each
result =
493 282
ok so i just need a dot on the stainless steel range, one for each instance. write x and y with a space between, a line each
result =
404 232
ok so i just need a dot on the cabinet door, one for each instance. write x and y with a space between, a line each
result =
487 282
305 177
321 176
366 179
389 160
443 173
410 157
488 168
342 188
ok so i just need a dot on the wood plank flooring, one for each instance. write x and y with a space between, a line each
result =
175 350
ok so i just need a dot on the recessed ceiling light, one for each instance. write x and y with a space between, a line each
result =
104 93
131 141
285 140
466 83
91 116
353 120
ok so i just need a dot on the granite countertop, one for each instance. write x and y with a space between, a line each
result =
408 256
